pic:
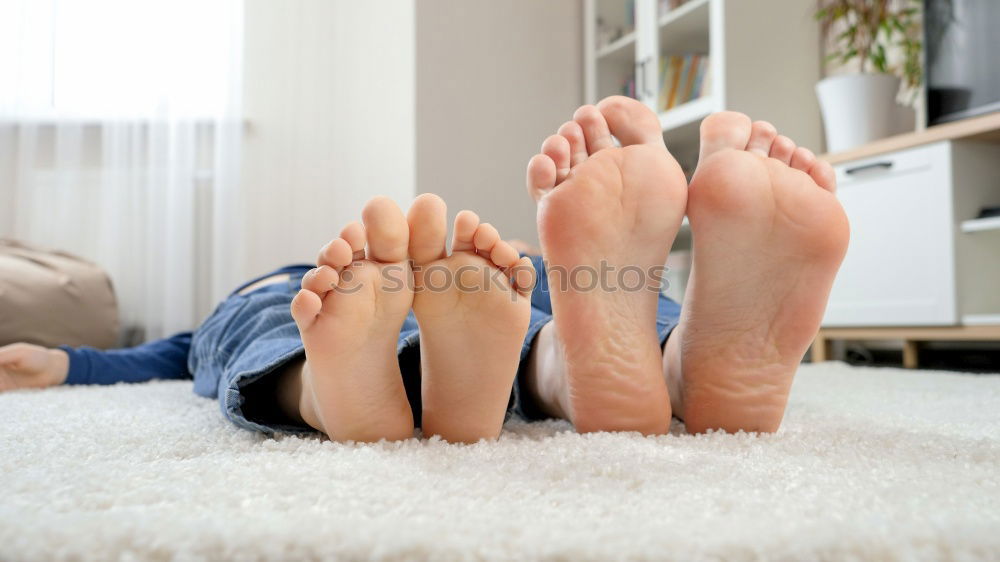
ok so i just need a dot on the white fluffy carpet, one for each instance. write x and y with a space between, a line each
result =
870 463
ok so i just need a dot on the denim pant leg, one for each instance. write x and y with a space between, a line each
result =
246 338
668 313
408 353
250 337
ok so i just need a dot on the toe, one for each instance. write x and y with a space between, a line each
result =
428 228
386 230
503 255
466 223
822 173
522 275
305 306
354 235
726 129
556 147
630 121
802 159
762 135
595 128
485 238
337 254
782 149
573 134
541 176
320 280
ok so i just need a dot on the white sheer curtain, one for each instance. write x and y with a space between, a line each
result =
120 132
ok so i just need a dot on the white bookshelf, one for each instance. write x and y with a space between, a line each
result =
687 113
621 48
764 61
692 17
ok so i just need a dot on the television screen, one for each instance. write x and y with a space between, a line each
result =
963 58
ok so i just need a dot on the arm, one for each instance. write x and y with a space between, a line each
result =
25 365
160 359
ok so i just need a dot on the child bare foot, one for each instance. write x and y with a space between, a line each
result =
604 208
473 308
349 313
769 236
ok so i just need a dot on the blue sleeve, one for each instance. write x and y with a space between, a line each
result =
160 359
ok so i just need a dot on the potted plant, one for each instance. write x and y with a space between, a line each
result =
881 41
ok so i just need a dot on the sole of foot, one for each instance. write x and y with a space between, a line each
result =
609 214
769 236
349 313
473 308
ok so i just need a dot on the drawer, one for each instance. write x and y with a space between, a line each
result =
900 264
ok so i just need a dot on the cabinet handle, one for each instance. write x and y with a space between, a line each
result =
872 166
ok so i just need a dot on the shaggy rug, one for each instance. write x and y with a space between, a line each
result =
870 463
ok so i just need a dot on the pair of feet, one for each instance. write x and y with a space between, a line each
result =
768 233
472 306
768 238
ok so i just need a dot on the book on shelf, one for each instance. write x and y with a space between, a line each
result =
682 78
705 87
628 88
690 71
676 67
663 94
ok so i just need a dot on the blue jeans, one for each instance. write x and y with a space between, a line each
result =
251 337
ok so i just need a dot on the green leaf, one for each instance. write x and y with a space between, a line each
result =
878 58
850 32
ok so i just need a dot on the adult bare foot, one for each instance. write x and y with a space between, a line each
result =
608 209
769 236
473 308
349 313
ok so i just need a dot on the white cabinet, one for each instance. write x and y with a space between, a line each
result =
908 263
899 268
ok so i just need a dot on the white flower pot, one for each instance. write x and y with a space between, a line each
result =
860 108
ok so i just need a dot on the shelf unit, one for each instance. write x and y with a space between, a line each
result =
619 48
744 41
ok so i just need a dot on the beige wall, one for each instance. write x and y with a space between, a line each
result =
339 108
329 101
493 80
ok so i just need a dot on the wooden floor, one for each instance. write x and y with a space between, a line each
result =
911 338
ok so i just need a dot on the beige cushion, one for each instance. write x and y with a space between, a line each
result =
51 298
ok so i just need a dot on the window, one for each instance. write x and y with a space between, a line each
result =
117 59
